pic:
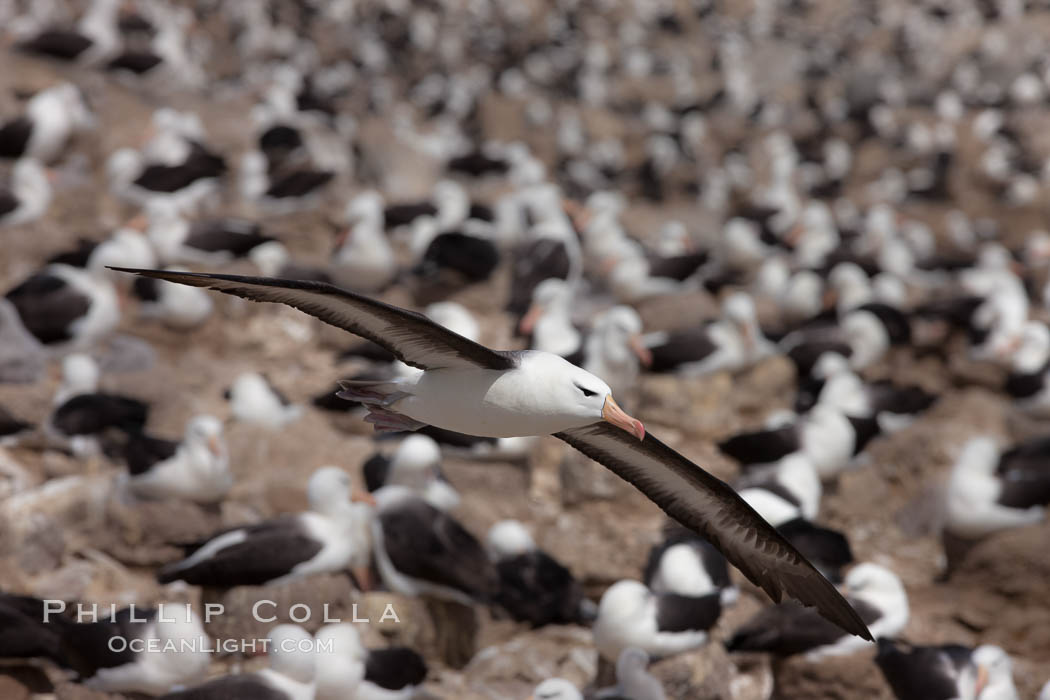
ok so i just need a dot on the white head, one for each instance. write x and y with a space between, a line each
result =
452 202
556 689
125 248
867 337
993 673
803 297
338 673
291 652
739 308
205 431
882 588
123 166
415 462
615 347
365 206
509 538
328 490
29 180
830 364
269 257
575 395
80 373
681 570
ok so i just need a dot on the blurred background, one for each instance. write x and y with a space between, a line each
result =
804 241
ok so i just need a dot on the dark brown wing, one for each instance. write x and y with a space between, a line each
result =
713 510
410 336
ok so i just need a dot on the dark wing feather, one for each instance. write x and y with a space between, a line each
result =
474 258
137 62
376 469
410 336
784 630
920 672
23 634
299 183
11 424
395 668
57 43
218 238
8 202
534 262
143 451
537 589
761 446
1024 472
678 267
827 549
88 414
686 613
271 550
48 306
14 135
713 510
427 544
681 347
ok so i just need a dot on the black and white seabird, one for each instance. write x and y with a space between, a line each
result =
352 670
733 343
827 437
50 118
469 388
945 672
173 650
416 465
534 587
206 241
787 629
661 624
289 677
195 469
991 490
253 399
170 304
94 39
28 194
332 536
421 550
687 565
83 415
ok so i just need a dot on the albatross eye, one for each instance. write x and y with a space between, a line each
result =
586 392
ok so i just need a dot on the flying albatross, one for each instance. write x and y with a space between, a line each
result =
469 388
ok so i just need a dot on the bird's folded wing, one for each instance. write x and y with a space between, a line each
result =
711 508
410 336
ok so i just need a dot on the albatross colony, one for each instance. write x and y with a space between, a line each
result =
469 388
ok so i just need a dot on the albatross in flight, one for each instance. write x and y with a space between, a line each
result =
469 388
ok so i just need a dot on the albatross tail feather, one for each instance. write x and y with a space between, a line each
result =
378 396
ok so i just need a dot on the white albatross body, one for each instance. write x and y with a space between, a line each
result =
492 403
467 387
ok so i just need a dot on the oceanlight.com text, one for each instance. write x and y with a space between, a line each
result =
224 646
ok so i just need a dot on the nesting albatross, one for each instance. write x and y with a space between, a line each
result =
469 388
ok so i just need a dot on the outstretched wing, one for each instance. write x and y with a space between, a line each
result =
410 336
711 508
